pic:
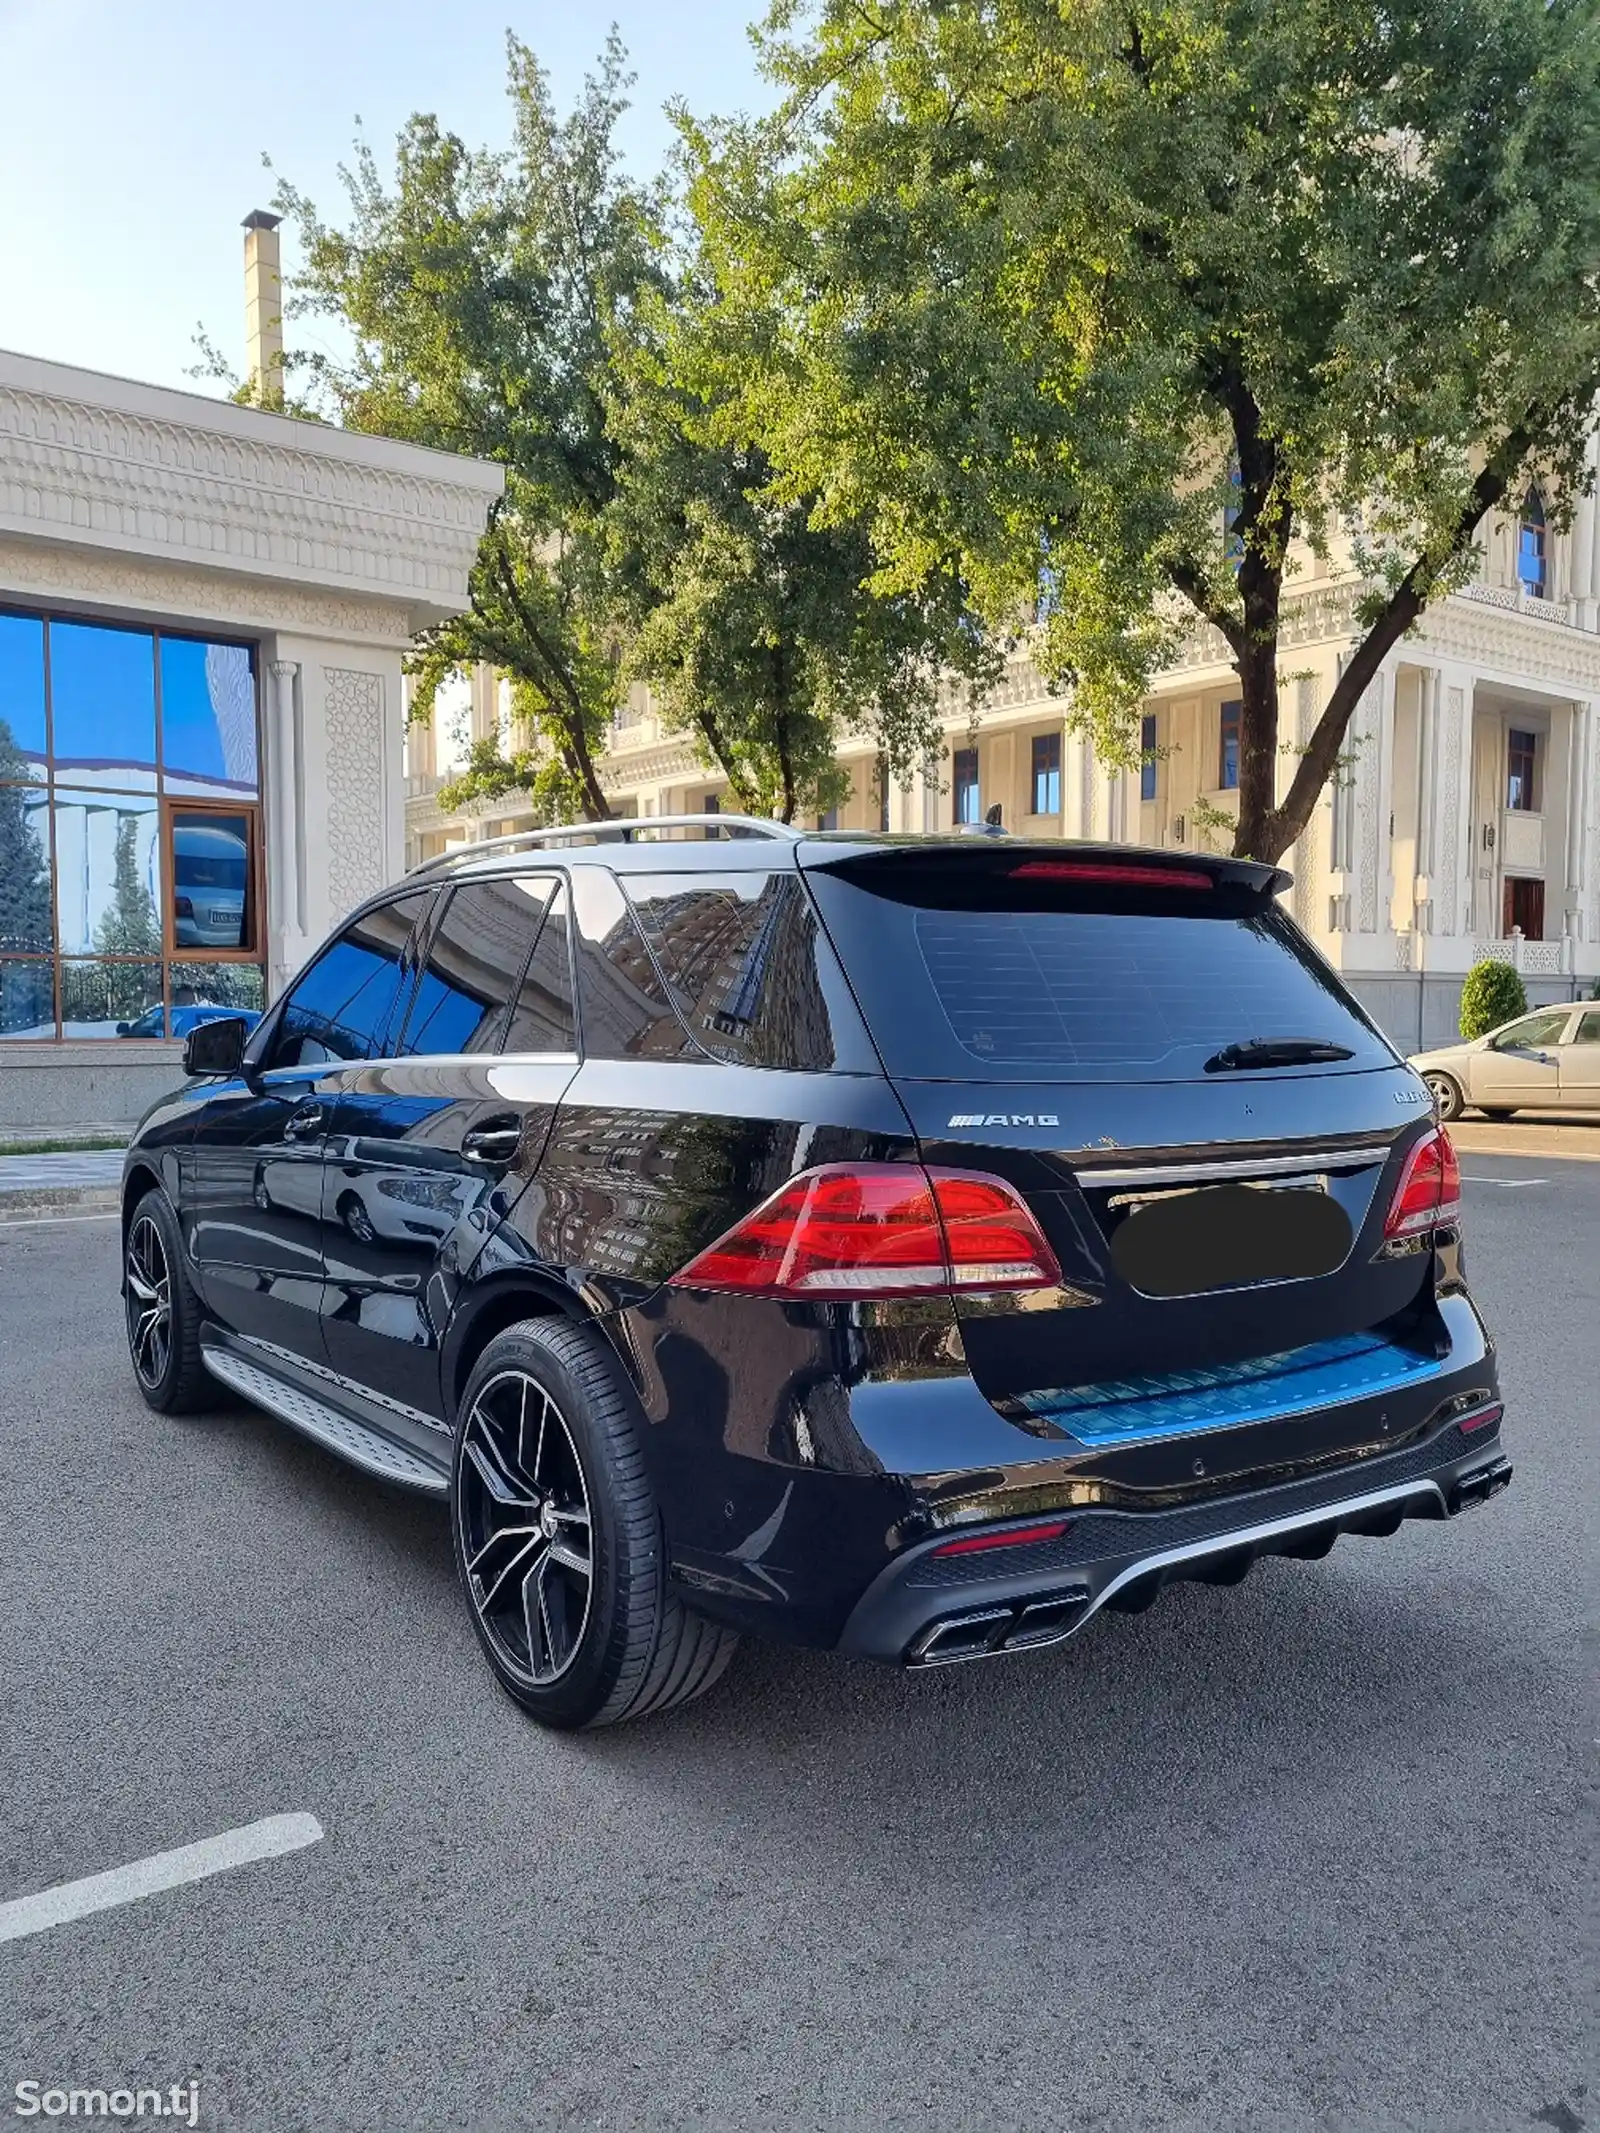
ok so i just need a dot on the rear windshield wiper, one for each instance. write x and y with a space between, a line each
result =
1275 1052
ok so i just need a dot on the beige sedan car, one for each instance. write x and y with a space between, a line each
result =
1548 1060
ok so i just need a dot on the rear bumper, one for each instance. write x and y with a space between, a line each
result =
923 1610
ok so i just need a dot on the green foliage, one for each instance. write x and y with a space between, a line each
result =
756 626
26 919
130 926
1492 993
483 291
1058 286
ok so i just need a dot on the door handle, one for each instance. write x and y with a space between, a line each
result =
302 1124
496 1143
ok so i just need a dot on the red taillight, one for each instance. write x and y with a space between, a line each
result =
879 1229
1010 1537
1111 874
1482 1419
182 907
1429 1191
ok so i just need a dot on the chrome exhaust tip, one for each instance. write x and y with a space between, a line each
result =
985 1632
1478 1487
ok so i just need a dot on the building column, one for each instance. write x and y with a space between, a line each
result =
1580 746
284 900
1427 798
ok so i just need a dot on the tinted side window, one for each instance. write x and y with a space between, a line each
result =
542 1018
345 1004
475 957
741 955
626 1013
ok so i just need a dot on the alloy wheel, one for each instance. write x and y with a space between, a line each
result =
526 1538
149 1302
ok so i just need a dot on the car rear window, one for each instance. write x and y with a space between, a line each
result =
1083 994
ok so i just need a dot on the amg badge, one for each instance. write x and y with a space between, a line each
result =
1005 1118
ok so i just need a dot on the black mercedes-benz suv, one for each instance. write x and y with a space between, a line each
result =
908 1246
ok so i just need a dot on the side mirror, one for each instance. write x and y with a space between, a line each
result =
215 1047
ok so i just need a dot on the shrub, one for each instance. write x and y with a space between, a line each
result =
1492 994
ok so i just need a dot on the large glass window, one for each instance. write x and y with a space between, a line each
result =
1521 756
1046 774
1531 559
1147 756
1228 748
968 803
130 836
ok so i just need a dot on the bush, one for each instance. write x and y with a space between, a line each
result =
1492 994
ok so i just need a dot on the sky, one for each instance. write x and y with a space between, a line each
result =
133 134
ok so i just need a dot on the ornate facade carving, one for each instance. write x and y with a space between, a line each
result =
107 579
147 472
357 775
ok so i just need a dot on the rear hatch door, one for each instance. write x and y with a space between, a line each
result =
1203 1121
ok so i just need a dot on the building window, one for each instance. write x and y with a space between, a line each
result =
1531 558
1232 539
130 830
968 806
1521 750
1047 774
1228 749
1147 756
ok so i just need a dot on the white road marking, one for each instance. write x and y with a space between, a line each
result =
1509 1184
268 1839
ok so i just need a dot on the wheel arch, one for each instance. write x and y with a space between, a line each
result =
142 1178
502 1302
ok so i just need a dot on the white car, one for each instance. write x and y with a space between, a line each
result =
1548 1060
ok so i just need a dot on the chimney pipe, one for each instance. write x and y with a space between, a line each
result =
263 308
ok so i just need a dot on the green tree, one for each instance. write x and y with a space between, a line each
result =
1491 994
130 926
1115 300
26 920
756 625
482 291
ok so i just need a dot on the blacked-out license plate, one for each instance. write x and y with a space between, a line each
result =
1228 1237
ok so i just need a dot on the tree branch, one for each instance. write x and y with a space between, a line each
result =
1401 610
575 718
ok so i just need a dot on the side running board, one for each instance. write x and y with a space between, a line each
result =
314 1418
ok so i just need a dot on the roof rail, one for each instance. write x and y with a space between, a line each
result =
625 829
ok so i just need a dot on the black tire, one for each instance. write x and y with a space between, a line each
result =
163 1345
1447 1097
1497 1111
547 1449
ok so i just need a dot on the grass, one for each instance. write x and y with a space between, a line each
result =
58 1147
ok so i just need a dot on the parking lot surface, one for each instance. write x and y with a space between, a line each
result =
1310 1854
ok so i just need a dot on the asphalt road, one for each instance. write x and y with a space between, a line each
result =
1310 1854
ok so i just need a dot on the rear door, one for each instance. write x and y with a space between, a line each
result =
1578 1063
1091 1028
432 1143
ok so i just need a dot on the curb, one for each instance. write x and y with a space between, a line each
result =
42 1203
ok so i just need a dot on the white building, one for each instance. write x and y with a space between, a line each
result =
1466 824
203 612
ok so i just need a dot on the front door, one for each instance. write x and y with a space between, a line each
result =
257 1202
1523 908
1519 1070
431 1147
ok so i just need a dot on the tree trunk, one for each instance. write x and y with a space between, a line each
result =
1258 745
